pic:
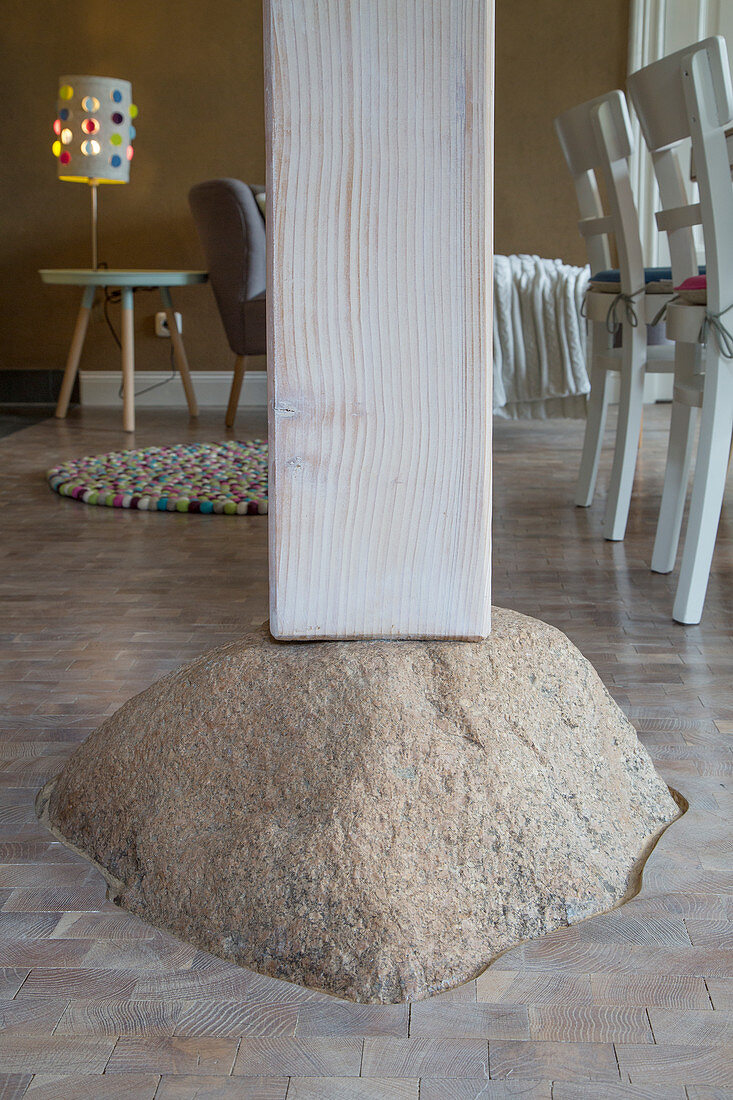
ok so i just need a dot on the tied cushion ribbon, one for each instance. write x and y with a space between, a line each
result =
723 336
711 323
613 321
660 314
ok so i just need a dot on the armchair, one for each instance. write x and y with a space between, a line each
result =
232 232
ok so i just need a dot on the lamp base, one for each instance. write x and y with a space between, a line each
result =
93 185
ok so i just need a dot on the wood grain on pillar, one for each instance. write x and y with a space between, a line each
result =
379 127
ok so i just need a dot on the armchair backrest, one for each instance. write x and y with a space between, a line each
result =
232 232
597 141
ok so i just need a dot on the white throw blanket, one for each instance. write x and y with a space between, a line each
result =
539 338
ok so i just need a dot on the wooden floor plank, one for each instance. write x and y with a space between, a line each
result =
456 1088
341 1018
57 899
468 1021
119 1017
321 1057
707 1092
14 1085
11 979
23 1053
608 1090
353 1088
712 1028
612 958
711 933
516 987
161 1054
50 1086
102 926
227 1019
27 925
590 1024
79 982
31 1015
556 1061
721 993
182 1087
424 1057
644 989
160 952
694 1065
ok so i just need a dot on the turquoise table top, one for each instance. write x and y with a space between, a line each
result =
113 277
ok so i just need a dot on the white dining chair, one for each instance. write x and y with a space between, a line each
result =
597 141
689 95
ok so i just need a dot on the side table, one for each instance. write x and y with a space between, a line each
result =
126 282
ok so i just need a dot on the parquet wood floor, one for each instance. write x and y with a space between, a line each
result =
97 603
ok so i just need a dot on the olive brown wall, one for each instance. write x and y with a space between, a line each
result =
550 55
197 76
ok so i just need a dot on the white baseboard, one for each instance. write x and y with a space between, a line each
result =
101 388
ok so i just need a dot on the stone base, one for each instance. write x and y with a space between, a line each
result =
375 819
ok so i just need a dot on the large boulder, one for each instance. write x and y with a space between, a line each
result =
377 819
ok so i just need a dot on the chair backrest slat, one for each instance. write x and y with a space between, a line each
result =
658 87
689 95
679 217
707 130
597 141
591 209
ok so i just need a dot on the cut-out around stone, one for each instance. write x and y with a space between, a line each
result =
376 819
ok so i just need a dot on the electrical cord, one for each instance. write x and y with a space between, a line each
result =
113 297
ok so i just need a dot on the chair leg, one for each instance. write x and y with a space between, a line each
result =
627 432
240 366
677 470
708 487
596 420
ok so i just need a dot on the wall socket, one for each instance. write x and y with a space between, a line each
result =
161 324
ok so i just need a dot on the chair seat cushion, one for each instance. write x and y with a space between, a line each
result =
657 280
694 290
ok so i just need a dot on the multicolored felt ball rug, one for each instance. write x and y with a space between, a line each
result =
209 478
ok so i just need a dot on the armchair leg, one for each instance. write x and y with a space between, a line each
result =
240 366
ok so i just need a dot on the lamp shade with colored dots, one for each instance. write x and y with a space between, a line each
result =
93 130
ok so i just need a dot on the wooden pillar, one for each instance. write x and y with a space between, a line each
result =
380 155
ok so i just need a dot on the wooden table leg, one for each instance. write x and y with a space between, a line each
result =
77 343
128 360
179 352
240 365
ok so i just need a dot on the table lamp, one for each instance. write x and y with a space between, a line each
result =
94 134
